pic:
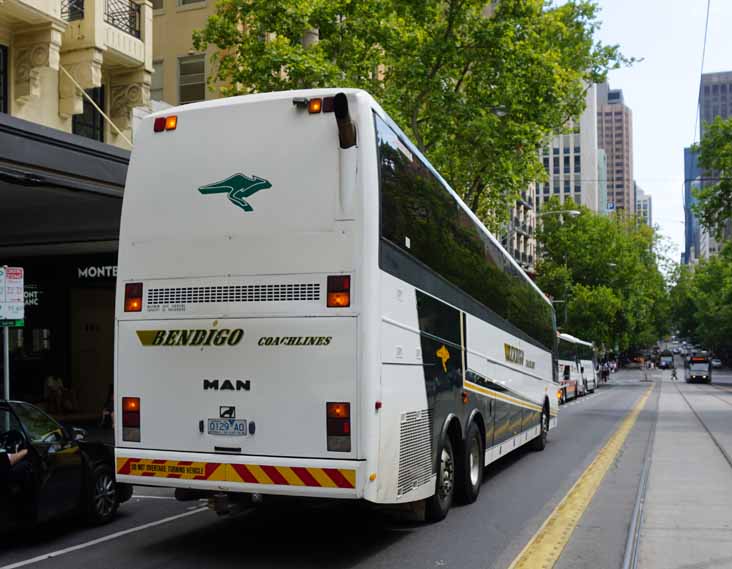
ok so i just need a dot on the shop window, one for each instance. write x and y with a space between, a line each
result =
191 79
4 73
90 123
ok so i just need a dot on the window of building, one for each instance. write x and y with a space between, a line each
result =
158 4
556 188
578 199
566 164
566 186
90 123
555 150
576 149
556 164
577 164
715 89
4 74
546 189
191 79
546 165
189 2
577 188
156 82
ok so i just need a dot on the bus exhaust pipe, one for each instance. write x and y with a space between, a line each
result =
346 128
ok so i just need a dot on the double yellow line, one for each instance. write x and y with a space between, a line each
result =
544 549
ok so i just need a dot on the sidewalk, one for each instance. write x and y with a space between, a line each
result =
687 516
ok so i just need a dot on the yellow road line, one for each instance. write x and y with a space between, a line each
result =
544 549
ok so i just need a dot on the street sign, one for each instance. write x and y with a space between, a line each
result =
12 312
611 206
12 298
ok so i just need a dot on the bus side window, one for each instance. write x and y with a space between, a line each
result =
566 372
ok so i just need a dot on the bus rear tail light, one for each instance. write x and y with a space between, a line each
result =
338 421
131 419
339 291
161 124
133 297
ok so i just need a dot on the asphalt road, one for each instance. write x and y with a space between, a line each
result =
518 494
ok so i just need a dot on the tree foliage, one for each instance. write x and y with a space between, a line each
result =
701 301
606 271
714 205
478 89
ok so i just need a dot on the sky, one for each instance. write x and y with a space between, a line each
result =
662 89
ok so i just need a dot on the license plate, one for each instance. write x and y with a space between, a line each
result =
227 427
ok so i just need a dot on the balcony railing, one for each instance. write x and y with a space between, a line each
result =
123 15
72 10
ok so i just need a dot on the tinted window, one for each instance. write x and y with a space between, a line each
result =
421 217
39 426
4 73
567 350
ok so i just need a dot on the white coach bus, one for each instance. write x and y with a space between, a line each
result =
306 308
587 355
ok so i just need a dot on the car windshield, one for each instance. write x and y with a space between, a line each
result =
699 367
40 427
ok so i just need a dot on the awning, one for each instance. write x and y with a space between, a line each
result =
59 193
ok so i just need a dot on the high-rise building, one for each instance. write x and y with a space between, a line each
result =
715 97
518 235
602 180
570 161
643 206
615 137
692 180
715 100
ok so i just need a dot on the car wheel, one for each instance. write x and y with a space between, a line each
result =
101 504
539 443
439 504
473 464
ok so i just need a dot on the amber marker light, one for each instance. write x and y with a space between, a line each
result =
171 122
315 106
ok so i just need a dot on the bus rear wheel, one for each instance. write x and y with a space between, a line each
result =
439 503
539 443
473 464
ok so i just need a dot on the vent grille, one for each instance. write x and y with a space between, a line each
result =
296 292
415 450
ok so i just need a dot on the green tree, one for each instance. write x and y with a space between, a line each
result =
478 89
615 293
714 205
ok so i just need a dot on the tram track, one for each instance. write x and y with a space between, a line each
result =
723 390
632 544
719 446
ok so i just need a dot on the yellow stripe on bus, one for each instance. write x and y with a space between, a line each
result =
322 478
290 476
489 392
259 474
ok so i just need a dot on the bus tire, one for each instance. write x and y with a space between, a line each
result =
539 443
439 503
473 465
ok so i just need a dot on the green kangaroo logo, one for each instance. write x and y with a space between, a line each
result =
237 187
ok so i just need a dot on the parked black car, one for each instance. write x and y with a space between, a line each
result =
62 473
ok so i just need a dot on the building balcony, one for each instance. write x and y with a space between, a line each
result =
30 12
90 44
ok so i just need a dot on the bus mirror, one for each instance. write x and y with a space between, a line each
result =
346 128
